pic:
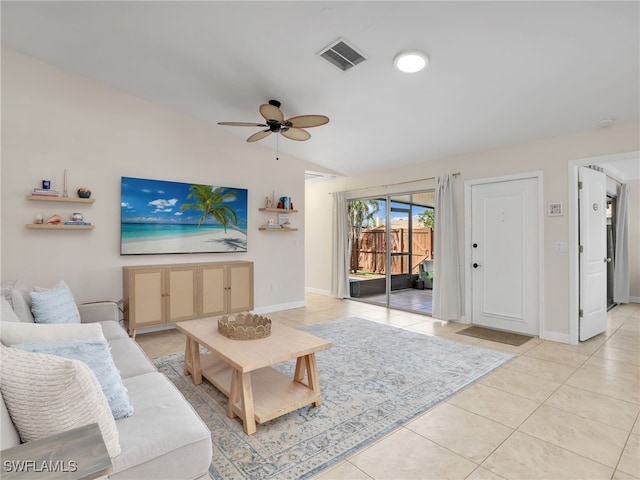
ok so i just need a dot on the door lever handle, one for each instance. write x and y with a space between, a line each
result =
476 265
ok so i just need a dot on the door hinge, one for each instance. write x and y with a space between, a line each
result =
580 313
579 185
581 250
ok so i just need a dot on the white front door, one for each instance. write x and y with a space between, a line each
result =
505 255
592 197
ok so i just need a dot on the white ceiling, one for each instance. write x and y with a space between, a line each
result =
501 73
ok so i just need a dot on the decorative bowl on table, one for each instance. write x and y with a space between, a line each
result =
244 326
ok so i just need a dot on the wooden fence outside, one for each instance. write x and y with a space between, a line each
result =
370 250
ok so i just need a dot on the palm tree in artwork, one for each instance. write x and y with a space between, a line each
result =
211 201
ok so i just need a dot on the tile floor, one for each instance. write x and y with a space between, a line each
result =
554 412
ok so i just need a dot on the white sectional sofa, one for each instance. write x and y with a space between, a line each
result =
164 438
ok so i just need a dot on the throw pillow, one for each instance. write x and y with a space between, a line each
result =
8 315
46 395
54 306
17 294
97 356
12 333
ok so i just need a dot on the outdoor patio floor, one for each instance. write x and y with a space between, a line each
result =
411 299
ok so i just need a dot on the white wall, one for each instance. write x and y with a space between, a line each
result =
52 120
551 156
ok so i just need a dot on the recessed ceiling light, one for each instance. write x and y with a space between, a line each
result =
411 61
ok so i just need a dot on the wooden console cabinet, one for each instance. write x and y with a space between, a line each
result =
157 294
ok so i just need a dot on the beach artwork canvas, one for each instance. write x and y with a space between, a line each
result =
160 216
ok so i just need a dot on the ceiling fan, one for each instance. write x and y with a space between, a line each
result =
292 128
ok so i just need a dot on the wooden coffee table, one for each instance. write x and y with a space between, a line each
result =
77 454
241 369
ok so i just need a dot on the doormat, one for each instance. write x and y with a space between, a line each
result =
373 380
498 336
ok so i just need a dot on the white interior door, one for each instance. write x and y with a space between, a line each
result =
505 255
592 197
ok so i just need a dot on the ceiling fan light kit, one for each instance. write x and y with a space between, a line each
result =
411 61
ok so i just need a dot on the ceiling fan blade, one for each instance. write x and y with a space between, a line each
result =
296 134
242 124
271 112
307 121
259 136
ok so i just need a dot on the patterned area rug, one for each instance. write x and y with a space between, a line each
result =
374 379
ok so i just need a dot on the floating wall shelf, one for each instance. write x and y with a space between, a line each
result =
60 199
49 226
277 210
268 229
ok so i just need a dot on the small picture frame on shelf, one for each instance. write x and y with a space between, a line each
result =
283 220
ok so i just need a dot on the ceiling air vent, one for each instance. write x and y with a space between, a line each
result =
341 55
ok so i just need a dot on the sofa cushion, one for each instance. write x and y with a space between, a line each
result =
55 305
113 330
130 358
12 333
97 356
165 439
46 395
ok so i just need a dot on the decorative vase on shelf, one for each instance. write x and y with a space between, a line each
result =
84 192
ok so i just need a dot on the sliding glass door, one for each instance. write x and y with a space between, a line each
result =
392 250
368 256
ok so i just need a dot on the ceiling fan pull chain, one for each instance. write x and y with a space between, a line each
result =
277 147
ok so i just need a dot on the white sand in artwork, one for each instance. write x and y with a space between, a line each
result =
230 241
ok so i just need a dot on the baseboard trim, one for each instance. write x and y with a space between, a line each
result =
279 307
318 291
556 337
634 299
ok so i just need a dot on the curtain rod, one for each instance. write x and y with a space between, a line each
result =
394 184
615 179
609 175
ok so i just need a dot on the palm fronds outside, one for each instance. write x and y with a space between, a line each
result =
361 213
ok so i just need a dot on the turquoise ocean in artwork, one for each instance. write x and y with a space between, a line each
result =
157 231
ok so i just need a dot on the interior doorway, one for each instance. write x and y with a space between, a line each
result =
618 162
391 250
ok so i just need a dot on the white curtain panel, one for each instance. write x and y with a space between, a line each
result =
621 273
340 257
447 288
